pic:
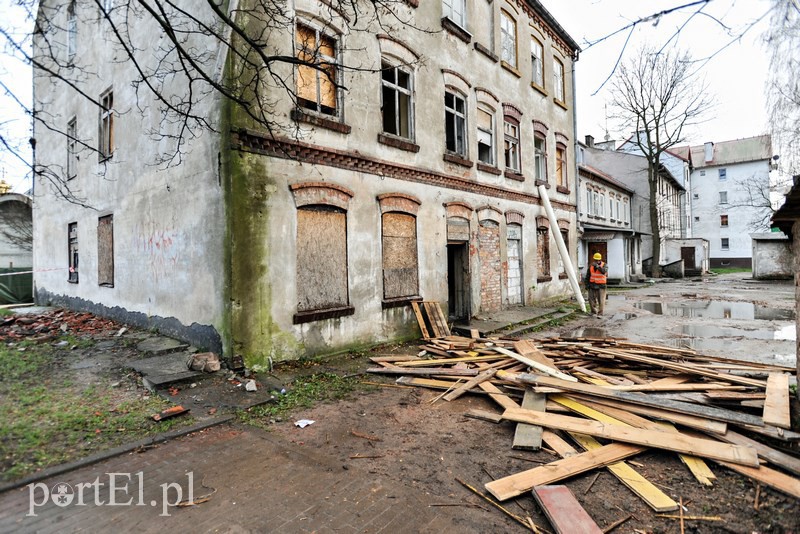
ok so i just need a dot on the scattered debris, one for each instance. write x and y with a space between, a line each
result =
170 412
250 385
302 423
204 361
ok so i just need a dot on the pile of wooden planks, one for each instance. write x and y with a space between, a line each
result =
633 397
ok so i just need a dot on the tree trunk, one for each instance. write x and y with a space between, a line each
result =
655 227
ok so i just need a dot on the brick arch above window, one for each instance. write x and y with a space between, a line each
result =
310 193
488 213
563 224
399 202
394 47
514 217
542 223
540 128
456 81
510 110
461 210
562 139
487 97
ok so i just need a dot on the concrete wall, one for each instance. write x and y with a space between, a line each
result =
168 219
772 256
700 246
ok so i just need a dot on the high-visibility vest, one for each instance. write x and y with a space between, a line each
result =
596 276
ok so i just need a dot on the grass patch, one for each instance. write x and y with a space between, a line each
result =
304 392
46 418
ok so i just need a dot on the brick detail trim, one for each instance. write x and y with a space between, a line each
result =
488 168
399 202
309 193
510 110
458 160
562 139
512 175
483 92
540 128
562 189
514 217
542 223
489 213
257 143
563 224
458 209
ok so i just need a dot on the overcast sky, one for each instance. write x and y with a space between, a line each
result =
736 76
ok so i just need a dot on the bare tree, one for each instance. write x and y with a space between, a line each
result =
783 89
16 225
757 196
656 95
191 53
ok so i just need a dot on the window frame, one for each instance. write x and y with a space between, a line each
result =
562 176
540 158
724 243
505 16
559 81
724 220
490 132
73 256
106 126
450 12
538 81
397 90
72 148
723 197
512 158
723 173
105 273
459 123
322 61
72 32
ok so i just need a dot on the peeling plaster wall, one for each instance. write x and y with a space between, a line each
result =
772 258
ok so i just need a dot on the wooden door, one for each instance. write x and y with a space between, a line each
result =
687 255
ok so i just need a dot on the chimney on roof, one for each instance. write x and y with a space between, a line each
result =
709 152
590 141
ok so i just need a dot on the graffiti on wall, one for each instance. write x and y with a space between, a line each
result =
161 247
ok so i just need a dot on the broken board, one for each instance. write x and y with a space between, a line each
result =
564 511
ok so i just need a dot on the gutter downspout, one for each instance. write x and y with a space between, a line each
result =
562 248
578 231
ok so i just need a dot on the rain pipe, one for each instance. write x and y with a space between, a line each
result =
562 248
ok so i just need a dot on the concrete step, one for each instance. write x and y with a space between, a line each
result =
159 372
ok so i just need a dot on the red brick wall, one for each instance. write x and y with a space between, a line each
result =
491 268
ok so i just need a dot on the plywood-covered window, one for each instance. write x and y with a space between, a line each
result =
543 253
321 259
400 266
561 167
317 83
105 251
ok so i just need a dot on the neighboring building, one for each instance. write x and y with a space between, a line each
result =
730 196
605 219
772 256
418 181
16 247
630 170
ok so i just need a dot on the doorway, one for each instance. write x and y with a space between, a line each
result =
598 246
458 281
687 255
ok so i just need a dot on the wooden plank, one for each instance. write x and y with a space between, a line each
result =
527 349
529 437
691 421
438 362
607 414
564 511
646 490
776 405
769 477
435 330
445 371
484 415
442 318
773 456
536 365
710 412
420 320
426 382
514 485
471 383
705 448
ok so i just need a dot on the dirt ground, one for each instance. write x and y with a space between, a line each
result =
417 439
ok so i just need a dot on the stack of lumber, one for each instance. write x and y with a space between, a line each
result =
614 399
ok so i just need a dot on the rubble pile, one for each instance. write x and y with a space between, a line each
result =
45 326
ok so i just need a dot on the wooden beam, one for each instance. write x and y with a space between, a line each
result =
710 412
705 448
529 437
519 483
471 383
444 371
776 405
536 365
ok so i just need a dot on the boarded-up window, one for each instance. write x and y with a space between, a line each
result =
400 276
105 251
317 76
72 251
321 258
543 251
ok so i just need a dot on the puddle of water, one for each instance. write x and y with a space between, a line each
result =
718 310
615 297
784 333
623 316
588 331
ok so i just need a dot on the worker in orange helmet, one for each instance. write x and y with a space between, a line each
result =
595 281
